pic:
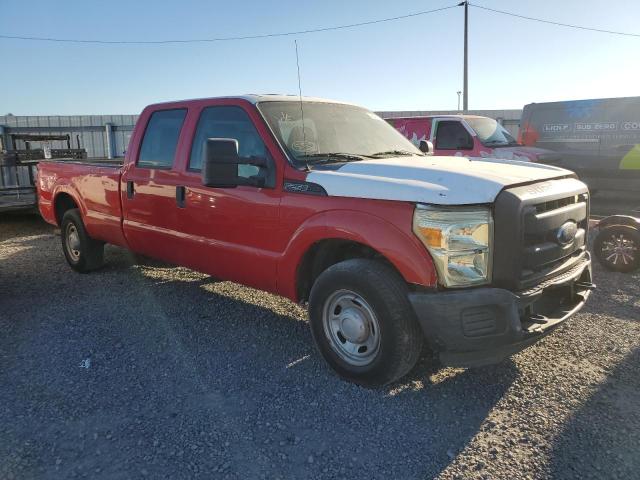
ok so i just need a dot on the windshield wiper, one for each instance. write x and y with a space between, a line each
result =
316 158
394 152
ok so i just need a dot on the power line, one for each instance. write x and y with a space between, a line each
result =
312 30
550 22
226 39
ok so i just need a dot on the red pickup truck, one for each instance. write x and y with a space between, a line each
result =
324 202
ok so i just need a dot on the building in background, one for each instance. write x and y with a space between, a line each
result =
102 136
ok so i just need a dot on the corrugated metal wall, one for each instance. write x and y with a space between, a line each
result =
15 176
88 130
509 118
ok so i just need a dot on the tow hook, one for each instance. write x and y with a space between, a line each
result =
538 318
585 285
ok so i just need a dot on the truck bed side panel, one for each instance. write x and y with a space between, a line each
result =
94 188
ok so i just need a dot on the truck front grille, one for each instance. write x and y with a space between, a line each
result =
530 221
556 204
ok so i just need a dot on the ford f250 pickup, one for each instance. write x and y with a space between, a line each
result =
325 203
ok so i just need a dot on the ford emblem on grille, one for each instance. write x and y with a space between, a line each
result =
567 232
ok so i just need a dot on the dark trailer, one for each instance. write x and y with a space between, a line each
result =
598 139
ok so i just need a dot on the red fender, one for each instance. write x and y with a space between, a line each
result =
47 205
402 249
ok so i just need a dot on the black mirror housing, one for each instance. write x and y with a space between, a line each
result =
221 161
426 147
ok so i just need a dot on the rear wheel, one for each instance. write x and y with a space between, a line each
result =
82 252
617 248
362 322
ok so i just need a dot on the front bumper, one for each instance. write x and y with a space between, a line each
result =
481 326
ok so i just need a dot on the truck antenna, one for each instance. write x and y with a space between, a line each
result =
304 137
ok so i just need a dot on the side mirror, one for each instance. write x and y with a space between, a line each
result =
426 147
221 162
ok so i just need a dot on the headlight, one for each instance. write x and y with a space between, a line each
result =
459 240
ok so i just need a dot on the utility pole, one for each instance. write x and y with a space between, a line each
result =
458 92
465 86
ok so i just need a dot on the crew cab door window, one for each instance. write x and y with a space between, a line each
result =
160 140
451 135
228 122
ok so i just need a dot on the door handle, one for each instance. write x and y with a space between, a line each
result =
181 195
130 189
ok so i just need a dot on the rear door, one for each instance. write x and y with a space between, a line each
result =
149 185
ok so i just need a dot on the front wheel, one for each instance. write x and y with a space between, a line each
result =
617 248
82 252
363 324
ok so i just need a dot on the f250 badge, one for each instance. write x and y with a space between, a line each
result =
566 234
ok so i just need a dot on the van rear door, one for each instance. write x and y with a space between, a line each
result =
414 129
599 139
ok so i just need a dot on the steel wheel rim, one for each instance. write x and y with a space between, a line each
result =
619 250
352 328
72 239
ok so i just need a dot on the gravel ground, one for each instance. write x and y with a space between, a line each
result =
156 371
615 203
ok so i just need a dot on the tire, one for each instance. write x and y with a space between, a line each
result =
363 324
617 248
82 252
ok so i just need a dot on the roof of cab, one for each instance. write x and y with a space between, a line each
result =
446 115
253 98
274 97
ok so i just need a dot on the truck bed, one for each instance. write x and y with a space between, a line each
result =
17 191
95 184
17 188
17 198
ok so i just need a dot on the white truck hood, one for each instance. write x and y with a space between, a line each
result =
435 180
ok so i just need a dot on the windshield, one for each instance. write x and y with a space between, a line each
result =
335 131
491 132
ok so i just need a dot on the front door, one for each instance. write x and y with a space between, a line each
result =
232 233
450 137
